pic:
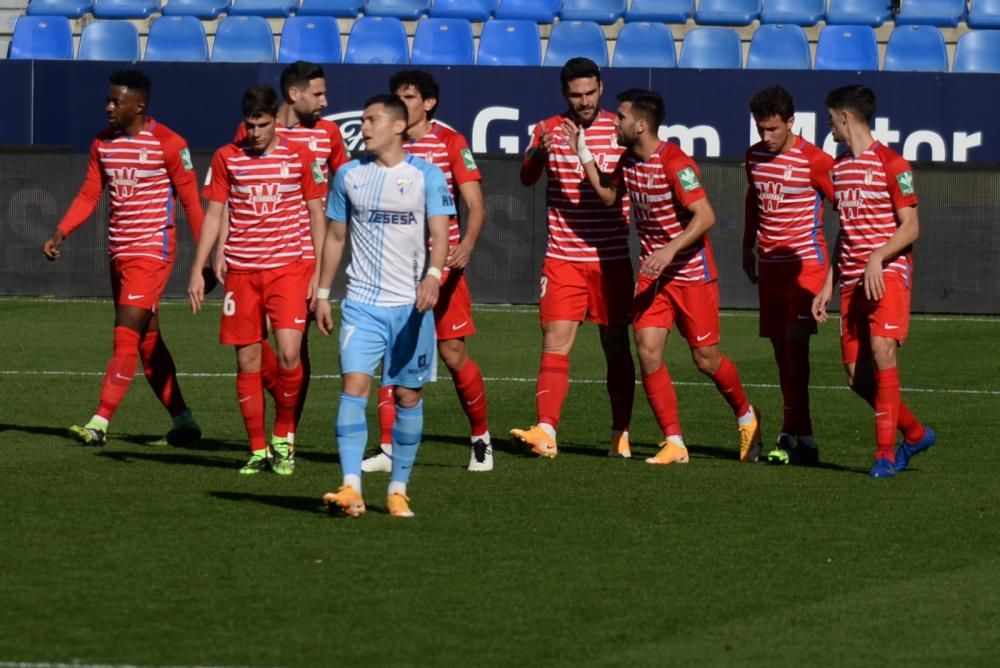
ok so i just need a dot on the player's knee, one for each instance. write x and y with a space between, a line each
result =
707 359
884 352
453 353
407 397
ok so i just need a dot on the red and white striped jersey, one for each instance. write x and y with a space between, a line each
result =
581 227
266 194
141 173
869 190
660 190
325 141
448 151
784 202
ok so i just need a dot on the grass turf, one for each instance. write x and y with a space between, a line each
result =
165 556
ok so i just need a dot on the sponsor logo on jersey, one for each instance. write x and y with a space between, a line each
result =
770 195
905 181
123 182
688 179
264 198
186 159
849 203
317 170
382 217
470 162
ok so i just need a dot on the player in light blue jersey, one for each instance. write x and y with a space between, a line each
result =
388 200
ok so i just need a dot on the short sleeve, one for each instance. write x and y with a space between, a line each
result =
438 197
313 180
684 178
820 166
177 157
463 165
217 182
899 176
337 204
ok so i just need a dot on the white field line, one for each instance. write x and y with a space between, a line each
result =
510 379
76 664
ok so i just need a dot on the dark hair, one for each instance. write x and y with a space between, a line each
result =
578 68
773 101
646 103
392 104
856 98
259 100
134 80
298 75
422 80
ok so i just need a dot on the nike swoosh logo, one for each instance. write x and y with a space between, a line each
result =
243 400
459 326
538 394
299 321
892 326
121 377
804 317
703 337
288 394
880 414
131 296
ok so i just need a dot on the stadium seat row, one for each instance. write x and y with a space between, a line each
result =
942 13
450 42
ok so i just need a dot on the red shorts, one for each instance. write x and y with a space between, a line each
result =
862 318
453 311
786 292
139 281
594 291
252 298
694 307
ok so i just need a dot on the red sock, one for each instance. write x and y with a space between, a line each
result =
472 395
161 373
386 414
795 389
120 371
287 387
621 390
727 381
250 392
268 367
552 387
887 398
663 400
300 403
908 423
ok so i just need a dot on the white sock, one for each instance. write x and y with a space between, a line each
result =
619 433
484 437
397 488
354 481
97 422
746 418
548 429
290 438
677 440
387 448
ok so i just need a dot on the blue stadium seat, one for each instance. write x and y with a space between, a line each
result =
504 42
944 13
978 51
109 40
405 10
347 9
604 12
858 12
125 9
71 8
443 42
42 38
666 11
982 14
711 48
539 11
269 8
470 10
799 12
727 12
243 39
377 40
779 47
847 48
570 39
644 45
177 39
203 9
312 38
916 49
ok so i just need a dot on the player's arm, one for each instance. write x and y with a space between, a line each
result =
820 166
439 207
898 243
314 187
751 223
338 152
331 251
82 208
608 188
823 297
209 234
702 220
180 169
536 156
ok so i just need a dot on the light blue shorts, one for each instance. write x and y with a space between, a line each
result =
400 337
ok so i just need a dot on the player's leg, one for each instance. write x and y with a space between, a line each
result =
650 342
161 373
380 461
307 269
611 289
250 393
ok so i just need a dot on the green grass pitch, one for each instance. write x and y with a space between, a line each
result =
151 556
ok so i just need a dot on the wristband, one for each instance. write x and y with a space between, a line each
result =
322 293
581 149
435 272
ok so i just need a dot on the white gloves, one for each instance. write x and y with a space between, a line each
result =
581 149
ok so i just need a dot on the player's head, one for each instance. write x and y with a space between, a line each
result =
849 105
582 88
419 92
640 114
383 123
304 88
773 111
127 98
260 111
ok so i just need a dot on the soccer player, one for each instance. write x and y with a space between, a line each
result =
877 204
446 149
785 254
264 181
677 276
389 200
143 163
587 273
303 87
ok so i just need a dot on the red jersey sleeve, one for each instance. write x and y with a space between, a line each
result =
85 202
531 167
899 176
241 133
313 182
217 183
180 168
684 178
463 165
820 165
338 152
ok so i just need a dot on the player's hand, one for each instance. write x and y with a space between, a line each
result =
546 142
324 317
220 267
51 247
873 279
196 290
458 256
750 264
654 265
821 301
427 293
311 292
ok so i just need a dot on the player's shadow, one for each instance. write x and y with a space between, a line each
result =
318 456
302 504
37 430
210 444
173 458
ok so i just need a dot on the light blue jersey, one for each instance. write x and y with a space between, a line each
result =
386 210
